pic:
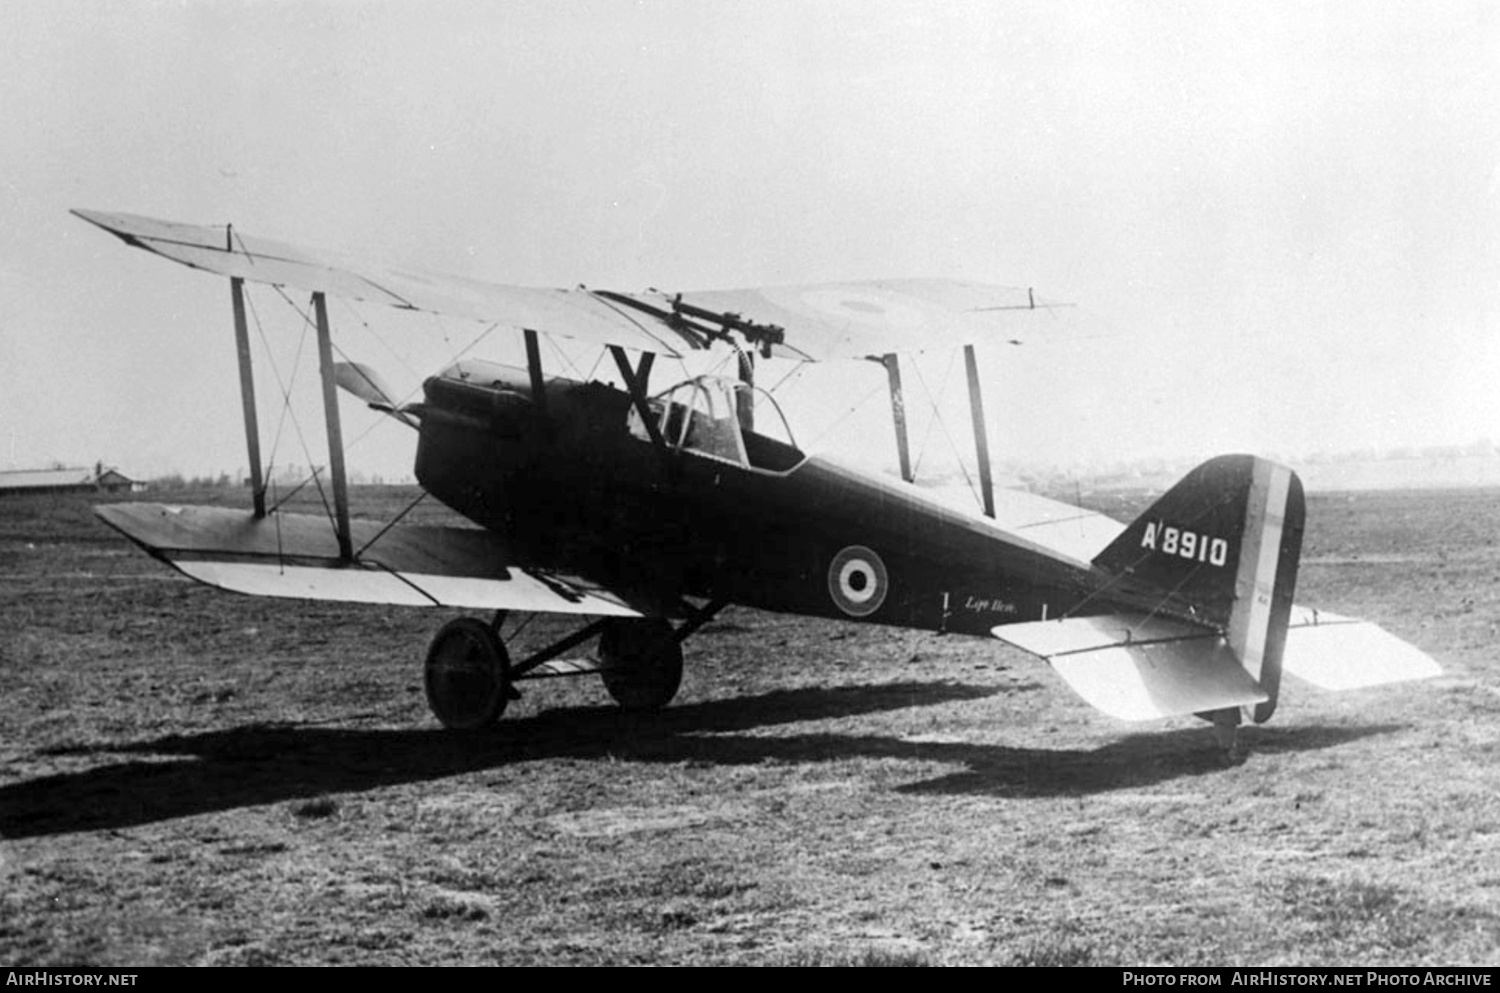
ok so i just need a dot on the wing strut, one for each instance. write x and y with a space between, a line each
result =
335 433
538 383
981 440
247 395
892 364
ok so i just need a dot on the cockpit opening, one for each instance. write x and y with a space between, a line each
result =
702 416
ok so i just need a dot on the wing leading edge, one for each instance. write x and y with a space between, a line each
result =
821 322
226 252
297 556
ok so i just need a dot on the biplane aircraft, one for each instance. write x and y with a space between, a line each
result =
646 513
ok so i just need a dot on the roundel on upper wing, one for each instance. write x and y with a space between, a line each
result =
857 581
885 310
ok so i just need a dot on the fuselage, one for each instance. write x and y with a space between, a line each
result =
575 481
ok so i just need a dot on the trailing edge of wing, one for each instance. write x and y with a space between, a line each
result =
826 321
1135 667
296 556
861 319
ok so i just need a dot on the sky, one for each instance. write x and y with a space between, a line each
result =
1280 222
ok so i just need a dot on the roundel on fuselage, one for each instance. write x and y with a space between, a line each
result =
857 581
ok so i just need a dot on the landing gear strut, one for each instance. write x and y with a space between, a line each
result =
467 675
470 676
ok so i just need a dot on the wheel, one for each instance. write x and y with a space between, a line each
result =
467 675
641 663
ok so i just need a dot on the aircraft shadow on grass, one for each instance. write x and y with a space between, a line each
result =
259 764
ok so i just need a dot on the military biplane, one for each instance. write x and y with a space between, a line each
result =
646 513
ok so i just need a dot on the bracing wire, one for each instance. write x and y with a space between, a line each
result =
392 523
1114 580
937 418
413 391
521 627
473 344
796 368
289 412
598 359
369 429
567 359
307 322
348 305
844 416
284 384
717 369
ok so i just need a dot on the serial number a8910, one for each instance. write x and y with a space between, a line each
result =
1185 544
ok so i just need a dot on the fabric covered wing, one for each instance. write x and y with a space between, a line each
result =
821 322
861 319
297 556
1135 667
569 313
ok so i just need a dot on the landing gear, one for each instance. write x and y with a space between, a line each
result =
640 662
470 677
467 675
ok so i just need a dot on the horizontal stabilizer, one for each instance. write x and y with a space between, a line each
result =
1344 653
297 556
1137 667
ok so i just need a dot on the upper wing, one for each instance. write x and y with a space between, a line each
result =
817 323
297 556
221 250
861 319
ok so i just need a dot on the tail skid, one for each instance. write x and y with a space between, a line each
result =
1202 619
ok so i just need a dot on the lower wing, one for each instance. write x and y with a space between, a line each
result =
297 556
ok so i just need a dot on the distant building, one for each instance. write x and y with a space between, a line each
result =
85 480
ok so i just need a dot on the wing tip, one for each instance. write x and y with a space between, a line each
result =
94 217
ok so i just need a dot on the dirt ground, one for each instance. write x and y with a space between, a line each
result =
193 777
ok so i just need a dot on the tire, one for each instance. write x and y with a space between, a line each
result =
467 675
640 662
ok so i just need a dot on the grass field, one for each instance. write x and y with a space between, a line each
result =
189 776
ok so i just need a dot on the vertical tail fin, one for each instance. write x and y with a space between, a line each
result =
1223 545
